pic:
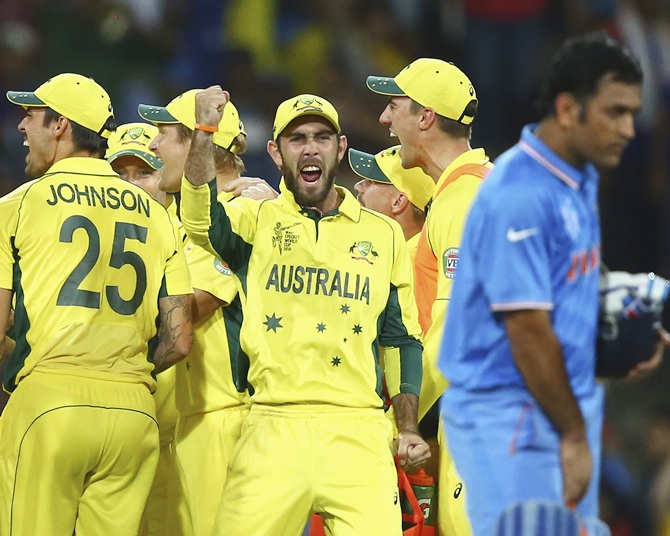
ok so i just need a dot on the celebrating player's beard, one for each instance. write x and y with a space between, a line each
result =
306 191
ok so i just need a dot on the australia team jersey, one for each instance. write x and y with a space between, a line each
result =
321 295
87 255
437 259
213 375
412 243
532 241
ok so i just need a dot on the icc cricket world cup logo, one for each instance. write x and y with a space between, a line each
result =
283 239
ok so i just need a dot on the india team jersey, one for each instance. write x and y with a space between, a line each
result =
208 379
532 241
87 255
320 295
437 260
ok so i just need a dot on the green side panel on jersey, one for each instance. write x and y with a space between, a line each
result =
229 246
162 293
239 361
21 326
379 388
395 334
152 343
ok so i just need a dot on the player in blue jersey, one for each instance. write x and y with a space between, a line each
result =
524 412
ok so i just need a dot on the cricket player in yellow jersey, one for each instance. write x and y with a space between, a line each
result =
211 381
388 188
326 283
432 104
129 155
404 195
101 290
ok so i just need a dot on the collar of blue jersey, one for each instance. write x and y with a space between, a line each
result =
539 151
82 164
350 207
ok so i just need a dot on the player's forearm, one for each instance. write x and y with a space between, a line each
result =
539 357
6 347
175 331
203 305
199 168
405 407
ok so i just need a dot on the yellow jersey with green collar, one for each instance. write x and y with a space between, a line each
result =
322 294
87 255
213 375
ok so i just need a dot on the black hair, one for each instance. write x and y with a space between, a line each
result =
84 139
580 64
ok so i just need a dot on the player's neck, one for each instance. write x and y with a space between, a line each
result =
439 156
225 176
550 132
66 149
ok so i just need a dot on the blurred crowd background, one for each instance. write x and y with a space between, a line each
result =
264 51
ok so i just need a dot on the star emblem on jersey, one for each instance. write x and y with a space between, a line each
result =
273 323
363 251
336 361
344 309
320 327
357 329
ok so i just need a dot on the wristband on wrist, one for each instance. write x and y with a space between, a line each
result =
206 128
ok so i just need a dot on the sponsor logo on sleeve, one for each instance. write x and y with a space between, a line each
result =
450 262
221 268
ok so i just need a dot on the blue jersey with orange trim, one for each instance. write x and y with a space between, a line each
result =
532 241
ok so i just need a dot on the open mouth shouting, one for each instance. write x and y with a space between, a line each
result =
310 173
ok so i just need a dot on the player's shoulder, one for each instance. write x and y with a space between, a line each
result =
379 222
17 194
516 178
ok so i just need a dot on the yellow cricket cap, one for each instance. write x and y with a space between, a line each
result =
79 98
432 83
133 139
386 167
305 104
181 109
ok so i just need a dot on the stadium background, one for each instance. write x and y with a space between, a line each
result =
263 51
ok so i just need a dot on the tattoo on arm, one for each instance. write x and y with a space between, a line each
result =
174 332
